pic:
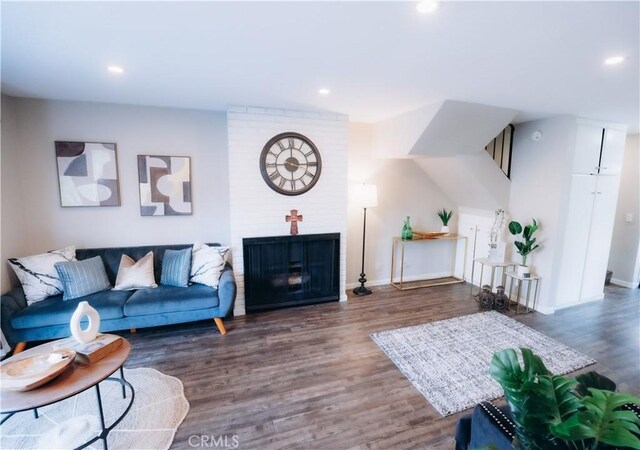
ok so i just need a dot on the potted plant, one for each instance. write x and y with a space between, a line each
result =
445 217
526 245
565 413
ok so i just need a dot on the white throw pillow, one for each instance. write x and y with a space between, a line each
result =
135 275
38 274
207 264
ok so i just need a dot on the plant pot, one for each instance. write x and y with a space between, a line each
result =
523 271
444 229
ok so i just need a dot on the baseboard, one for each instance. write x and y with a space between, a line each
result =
580 303
622 283
406 279
546 310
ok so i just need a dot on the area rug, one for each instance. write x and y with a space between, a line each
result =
448 361
158 409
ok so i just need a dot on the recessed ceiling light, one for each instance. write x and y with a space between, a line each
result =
115 69
614 60
324 91
427 7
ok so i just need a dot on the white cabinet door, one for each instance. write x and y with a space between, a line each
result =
603 216
588 145
612 152
576 239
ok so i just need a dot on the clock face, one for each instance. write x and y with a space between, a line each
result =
290 163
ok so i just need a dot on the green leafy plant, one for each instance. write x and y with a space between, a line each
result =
528 244
445 216
557 412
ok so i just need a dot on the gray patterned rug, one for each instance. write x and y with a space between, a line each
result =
448 361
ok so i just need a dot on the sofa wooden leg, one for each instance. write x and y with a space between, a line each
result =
20 346
133 330
220 325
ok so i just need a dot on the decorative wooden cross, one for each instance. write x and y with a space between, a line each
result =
294 218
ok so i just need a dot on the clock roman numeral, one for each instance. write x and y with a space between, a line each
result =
273 154
274 176
309 153
312 163
292 143
281 145
282 182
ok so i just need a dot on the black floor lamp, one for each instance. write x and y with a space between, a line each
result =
367 197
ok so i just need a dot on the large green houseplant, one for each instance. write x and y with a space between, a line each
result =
528 242
557 412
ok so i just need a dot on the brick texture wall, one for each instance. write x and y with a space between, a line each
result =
256 210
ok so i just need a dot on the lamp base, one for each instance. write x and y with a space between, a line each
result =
362 290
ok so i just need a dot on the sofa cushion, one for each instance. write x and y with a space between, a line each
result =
54 311
135 275
82 278
38 275
175 268
165 299
207 264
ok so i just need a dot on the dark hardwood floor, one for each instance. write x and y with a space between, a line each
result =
311 377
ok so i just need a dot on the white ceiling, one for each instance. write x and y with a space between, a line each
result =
378 58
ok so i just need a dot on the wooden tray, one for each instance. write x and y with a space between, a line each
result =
25 374
417 235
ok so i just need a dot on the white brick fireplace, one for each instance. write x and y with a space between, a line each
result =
257 210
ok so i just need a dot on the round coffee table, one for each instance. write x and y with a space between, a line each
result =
75 379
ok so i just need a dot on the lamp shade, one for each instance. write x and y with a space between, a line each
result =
366 195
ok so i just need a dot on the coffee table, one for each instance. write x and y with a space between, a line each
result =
75 379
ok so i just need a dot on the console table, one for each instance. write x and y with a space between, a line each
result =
424 245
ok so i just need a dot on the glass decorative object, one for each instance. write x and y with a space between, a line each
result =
407 231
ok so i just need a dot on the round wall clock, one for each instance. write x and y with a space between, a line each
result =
290 163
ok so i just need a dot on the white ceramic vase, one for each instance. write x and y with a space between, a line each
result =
444 229
90 333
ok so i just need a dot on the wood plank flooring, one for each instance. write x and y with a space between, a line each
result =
311 378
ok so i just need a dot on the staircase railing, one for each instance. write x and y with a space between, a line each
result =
500 149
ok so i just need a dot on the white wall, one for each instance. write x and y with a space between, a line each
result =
403 190
539 186
257 210
14 239
29 174
626 236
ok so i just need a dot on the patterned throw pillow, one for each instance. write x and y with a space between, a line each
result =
207 264
175 267
81 278
38 275
135 275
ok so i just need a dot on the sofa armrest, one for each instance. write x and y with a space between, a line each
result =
10 303
227 291
491 425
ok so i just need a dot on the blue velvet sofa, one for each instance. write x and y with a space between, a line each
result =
119 310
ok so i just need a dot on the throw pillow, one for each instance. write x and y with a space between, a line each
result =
81 278
175 267
135 275
207 264
38 275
